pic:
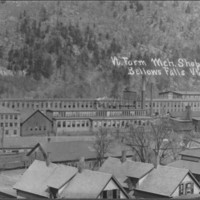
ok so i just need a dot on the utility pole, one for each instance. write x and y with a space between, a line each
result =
2 138
143 104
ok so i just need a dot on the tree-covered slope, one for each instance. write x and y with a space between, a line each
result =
65 47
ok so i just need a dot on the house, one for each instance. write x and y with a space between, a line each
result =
167 182
191 155
180 94
49 180
128 172
194 167
7 180
70 152
37 178
129 95
35 123
10 122
183 121
92 185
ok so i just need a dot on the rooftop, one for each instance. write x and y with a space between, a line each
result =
128 168
87 184
68 151
182 114
181 92
25 114
191 152
194 167
8 179
163 180
39 176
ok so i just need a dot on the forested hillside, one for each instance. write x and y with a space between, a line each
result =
65 48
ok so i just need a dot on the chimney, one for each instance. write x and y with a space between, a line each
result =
81 164
188 113
48 159
143 92
123 158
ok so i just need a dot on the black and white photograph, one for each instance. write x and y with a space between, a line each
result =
99 99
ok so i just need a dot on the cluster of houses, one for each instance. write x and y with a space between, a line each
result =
55 170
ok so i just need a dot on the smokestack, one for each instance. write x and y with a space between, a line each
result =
81 164
188 113
151 103
143 92
48 159
123 158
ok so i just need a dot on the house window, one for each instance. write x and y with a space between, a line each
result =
110 194
189 188
116 194
64 124
11 116
7 132
181 189
11 124
44 128
15 116
104 195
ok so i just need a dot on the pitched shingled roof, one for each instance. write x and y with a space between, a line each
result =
191 152
38 177
73 150
194 167
181 92
163 180
87 184
128 168
28 113
8 179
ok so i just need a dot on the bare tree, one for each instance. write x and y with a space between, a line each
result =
160 134
102 144
138 140
155 145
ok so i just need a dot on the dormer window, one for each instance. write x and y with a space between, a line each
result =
53 192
